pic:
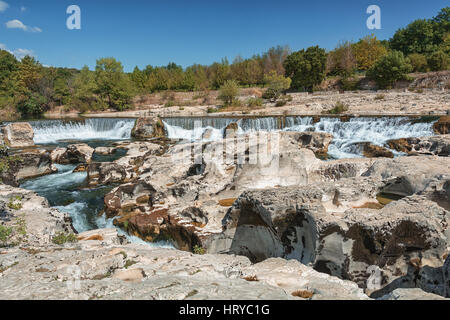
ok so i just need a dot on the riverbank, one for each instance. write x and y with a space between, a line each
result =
362 103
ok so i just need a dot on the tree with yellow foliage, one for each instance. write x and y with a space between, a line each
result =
367 51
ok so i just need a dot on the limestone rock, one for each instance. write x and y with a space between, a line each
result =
411 294
31 218
372 151
18 135
74 153
298 223
148 128
436 145
442 126
29 164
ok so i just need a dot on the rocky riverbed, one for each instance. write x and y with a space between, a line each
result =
250 216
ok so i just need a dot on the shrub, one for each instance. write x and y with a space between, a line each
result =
379 97
418 62
254 102
15 203
438 61
199 250
389 69
276 85
349 84
5 235
339 107
228 92
32 105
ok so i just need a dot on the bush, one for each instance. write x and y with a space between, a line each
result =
32 105
438 61
418 62
254 102
389 69
199 250
339 107
229 92
5 235
349 84
379 97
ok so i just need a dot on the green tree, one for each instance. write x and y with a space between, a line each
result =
441 25
219 73
8 65
31 105
84 97
139 79
228 92
276 85
113 85
418 62
389 69
438 61
306 68
417 37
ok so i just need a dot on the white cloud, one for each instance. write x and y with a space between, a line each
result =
18 53
21 53
17 24
3 6
23 9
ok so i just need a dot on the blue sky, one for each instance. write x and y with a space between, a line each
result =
142 32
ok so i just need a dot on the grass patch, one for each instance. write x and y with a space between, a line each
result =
198 250
129 263
61 238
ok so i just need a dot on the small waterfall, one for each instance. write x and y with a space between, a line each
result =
51 131
347 135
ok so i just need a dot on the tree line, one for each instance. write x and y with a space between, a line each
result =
30 89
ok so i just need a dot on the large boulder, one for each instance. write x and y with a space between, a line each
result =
30 164
31 220
74 153
405 240
145 128
18 135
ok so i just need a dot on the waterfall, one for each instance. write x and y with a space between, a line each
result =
51 131
347 134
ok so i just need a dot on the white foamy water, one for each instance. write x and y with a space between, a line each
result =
51 131
347 135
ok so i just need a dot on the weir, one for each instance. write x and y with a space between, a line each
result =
347 134
51 131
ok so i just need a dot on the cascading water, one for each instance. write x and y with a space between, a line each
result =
51 131
347 135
